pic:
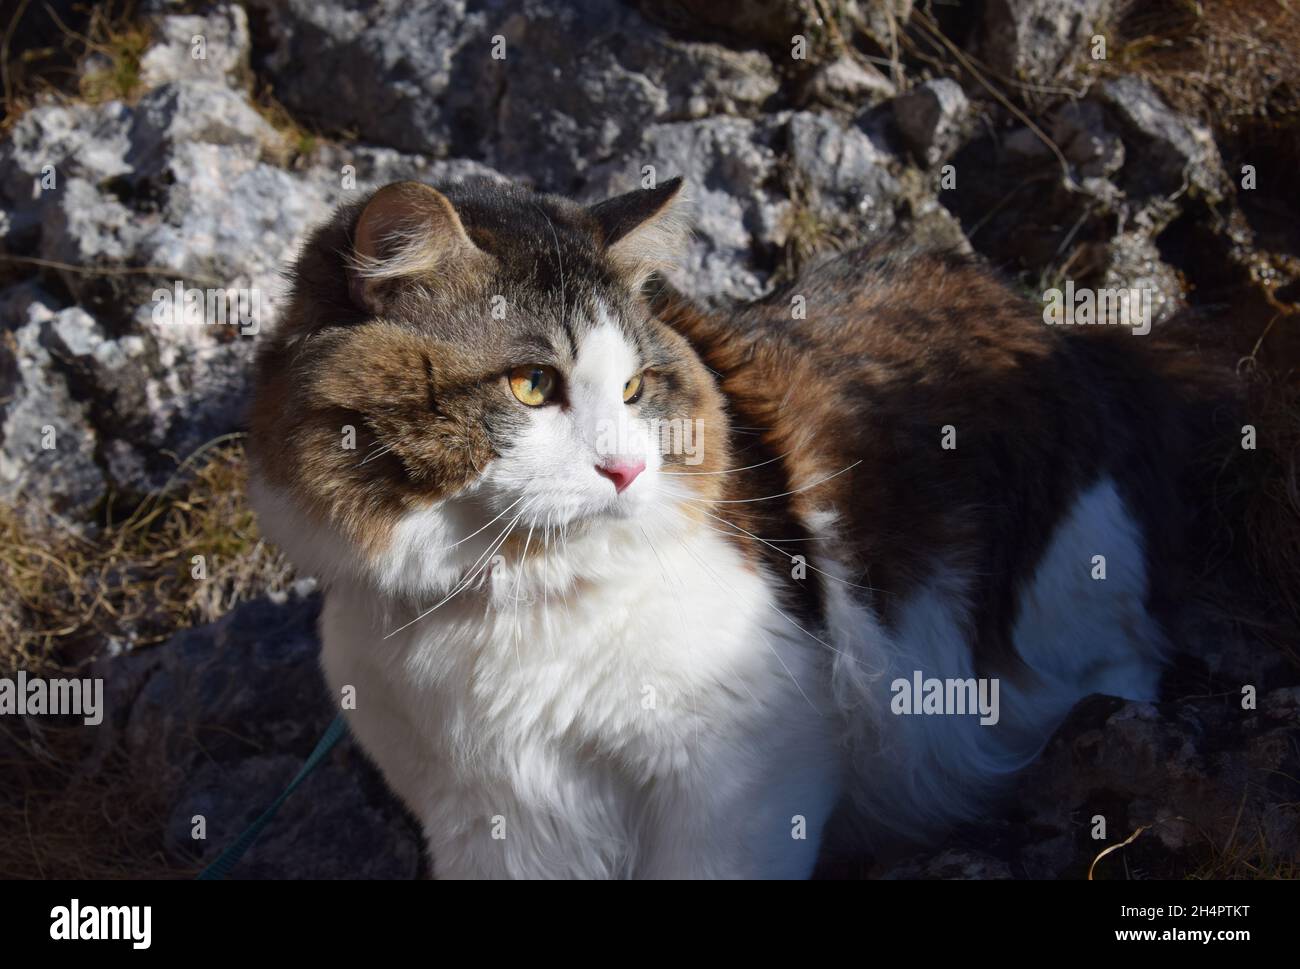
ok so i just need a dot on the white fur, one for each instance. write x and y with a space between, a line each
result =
1076 635
633 702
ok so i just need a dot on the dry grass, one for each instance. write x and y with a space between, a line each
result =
1249 857
70 810
113 46
298 142
1222 61
94 58
1269 498
63 820
63 596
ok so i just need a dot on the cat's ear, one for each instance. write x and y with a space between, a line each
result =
643 230
406 229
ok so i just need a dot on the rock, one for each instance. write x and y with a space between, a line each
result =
1094 149
845 175
53 143
1022 145
415 76
929 223
47 441
934 118
212 47
223 716
770 24
178 194
584 84
174 191
846 82
1179 770
86 230
951 864
883 21
1168 152
751 23
569 86
201 111
1038 40
1133 261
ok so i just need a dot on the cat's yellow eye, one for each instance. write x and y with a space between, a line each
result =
632 389
533 384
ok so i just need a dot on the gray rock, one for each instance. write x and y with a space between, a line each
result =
1038 40
225 44
1133 262
771 24
881 20
50 145
846 82
1022 145
575 85
590 77
767 24
178 194
402 74
845 176
934 118
47 440
86 230
223 716
1169 153
194 111
950 864
1079 128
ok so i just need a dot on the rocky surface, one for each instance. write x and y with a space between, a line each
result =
224 716
192 182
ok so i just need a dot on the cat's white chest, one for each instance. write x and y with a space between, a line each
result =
645 670
645 648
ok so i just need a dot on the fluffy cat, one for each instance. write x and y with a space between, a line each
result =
628 589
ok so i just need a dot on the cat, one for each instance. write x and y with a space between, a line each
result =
628 588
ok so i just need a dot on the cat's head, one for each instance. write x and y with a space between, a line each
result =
457 362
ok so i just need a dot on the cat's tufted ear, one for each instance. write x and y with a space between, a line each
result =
406 229
643 230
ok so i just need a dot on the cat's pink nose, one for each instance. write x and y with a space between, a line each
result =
622 473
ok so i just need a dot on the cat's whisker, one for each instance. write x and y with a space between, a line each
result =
747 534
519 575
373 454
476 568
787 554
730 470
670 493
503 513
784 494
782 614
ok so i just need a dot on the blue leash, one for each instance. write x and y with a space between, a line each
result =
230 857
